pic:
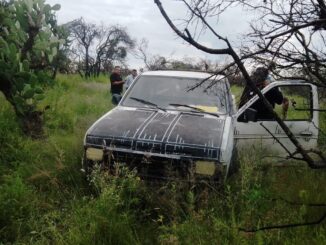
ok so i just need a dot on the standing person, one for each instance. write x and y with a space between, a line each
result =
116 85
129 79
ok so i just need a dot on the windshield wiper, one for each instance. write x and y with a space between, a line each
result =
145 102
195 108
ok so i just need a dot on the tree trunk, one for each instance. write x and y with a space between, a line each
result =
87 71
54 73
32 124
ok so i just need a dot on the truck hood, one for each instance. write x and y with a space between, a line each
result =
178 133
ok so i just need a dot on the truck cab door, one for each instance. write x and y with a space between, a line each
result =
301 117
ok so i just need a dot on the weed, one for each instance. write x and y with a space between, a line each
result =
17 203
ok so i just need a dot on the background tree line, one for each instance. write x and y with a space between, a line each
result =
34 48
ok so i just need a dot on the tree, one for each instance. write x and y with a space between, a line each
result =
96 45
159 62
28 45
152 62
83 34
141 53
291 35
62 62
199 13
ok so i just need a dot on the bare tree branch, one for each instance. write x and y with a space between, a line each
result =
187 36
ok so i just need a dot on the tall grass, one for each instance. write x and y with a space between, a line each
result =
45 199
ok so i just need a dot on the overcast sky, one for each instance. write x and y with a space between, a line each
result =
143 20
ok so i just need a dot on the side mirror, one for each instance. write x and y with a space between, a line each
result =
116 98
250 115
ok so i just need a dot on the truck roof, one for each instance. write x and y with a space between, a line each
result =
190 74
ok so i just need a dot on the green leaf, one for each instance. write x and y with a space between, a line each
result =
54 51
20 15
20 104
56 7
29 5
20 84
20 109
27 87
26 65
29 94
47 8
12 8
50 57
38 90
3 43
17 24
13 50
41 3
39 96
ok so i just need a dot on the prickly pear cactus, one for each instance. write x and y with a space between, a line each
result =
28 44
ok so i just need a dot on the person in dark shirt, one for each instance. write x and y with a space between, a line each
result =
116 81
116 84
259 78
274 96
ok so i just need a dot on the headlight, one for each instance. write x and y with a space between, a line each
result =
205 167
94 154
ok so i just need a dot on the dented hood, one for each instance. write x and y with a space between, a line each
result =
178 133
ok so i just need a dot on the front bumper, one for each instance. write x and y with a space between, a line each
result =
154 165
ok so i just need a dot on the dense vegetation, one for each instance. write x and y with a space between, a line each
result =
28 45
45 198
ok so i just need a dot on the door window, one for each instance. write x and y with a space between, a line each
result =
290 102
297 103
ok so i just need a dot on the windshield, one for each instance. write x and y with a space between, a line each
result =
174 92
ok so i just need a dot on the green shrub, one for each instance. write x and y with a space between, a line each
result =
17 204
110 218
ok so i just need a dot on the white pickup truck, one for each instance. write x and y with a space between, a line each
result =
188 122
